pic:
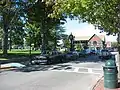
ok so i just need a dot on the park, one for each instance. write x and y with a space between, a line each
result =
36 53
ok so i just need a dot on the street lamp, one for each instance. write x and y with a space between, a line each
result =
71 37
104 45
30 35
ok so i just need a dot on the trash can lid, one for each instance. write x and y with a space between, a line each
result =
110 63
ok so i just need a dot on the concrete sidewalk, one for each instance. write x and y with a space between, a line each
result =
11 66
100 85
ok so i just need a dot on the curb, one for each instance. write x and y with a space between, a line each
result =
6 68
97 83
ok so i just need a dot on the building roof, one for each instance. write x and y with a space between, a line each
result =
102 37
86 38
82 38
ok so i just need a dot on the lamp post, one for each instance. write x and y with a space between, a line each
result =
104 45
30 35
71 37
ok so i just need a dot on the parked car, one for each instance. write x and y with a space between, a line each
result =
87 51
41 59
82 53
54 57
72 55
105 54
93 52
76 53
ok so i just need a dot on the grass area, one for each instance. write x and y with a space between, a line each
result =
3 59
23 51
17 53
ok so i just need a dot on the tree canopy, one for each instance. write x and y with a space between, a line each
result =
104 14
15 15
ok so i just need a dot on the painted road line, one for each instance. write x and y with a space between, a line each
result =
76 69
76 72
90 70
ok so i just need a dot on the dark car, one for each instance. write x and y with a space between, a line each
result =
42 59
54 57
105 54
82 53
72 55
93 52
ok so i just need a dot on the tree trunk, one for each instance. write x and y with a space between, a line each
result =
55 41
10 41
5 34
43 43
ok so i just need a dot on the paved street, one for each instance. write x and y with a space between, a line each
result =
81 74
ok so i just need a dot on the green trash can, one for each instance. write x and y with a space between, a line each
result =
110 74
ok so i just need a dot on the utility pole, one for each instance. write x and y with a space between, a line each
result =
118 38
118 57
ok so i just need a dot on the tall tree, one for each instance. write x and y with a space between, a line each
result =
35 34
9 11
57 34
103 14
39 14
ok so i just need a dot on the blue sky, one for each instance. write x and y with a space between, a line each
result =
84 29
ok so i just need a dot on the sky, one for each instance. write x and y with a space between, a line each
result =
85 29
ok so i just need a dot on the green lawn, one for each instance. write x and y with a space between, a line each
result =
23 51
3 59
16 53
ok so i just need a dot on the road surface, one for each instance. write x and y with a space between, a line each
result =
81 74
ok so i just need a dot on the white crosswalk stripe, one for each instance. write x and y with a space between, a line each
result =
79 70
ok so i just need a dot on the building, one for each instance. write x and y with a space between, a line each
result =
108 44
92 42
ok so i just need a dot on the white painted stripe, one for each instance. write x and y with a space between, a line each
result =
76 69
90 70
76 72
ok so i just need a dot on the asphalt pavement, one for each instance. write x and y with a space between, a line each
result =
81 74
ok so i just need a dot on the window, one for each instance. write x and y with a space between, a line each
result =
95 43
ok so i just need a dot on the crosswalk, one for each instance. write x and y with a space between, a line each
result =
77 70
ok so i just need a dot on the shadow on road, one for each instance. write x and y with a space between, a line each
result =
35 68
61 66
92 58
32 68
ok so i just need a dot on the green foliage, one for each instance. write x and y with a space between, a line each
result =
16 33
104 14
10 13
78 47
17 13
66 43
51 30
1 33
114 44
32 34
